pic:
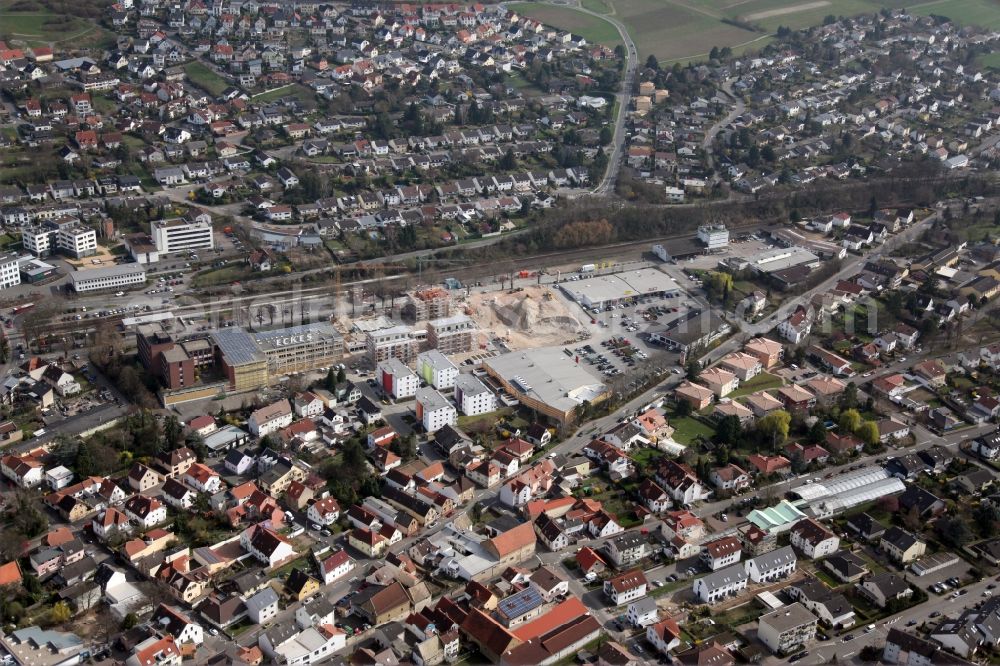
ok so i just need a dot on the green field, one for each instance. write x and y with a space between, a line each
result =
686 30
591 28
203 77
47 28
306 96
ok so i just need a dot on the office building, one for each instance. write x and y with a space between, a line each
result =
451 335
251 360
65 235
436 370
10 273
112 277
182 234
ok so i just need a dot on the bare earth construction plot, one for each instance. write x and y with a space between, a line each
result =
685 30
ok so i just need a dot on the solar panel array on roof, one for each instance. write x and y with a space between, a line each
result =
520 603
237 346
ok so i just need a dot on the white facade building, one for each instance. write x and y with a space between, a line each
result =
436 370
474 397
714 236
397 379
182 235
112 277
434 411
10 274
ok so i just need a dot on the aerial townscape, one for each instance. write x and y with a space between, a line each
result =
602 332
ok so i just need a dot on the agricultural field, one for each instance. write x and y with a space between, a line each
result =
591 28
686 30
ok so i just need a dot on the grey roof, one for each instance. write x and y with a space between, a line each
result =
724 577
262 599
59 640
773 560
788 617
899 538
106 272
888 583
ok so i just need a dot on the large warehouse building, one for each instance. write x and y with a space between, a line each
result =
604 290
547 381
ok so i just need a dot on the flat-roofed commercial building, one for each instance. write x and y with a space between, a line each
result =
300 348
111 277
546 380
252 360
781 258
451 335
242 363
605 290
182 234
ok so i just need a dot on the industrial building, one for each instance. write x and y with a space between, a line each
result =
34 270
547 381
714 236
451 335
604 290
251 360
692 329
182 234
111 277
782 258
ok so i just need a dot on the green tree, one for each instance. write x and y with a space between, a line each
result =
330 384
652 62
341 375
130 621
850 421
60 613
693 368
728 431
774 427
849 398
868 433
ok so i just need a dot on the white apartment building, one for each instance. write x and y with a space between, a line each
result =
37 240
787 629
10 274
182 235
436 370
397 379
112 277
434 410
395 342
473 397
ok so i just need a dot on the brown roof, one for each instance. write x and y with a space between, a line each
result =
512 540
390 597
490 635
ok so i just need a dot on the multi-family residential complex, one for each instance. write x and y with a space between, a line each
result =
451 335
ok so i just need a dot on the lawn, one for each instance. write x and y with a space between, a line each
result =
598 6
203 77
764 380
989 60
980 13
645 455
687 429
221 275
305 96
591 28
483 422
48 28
